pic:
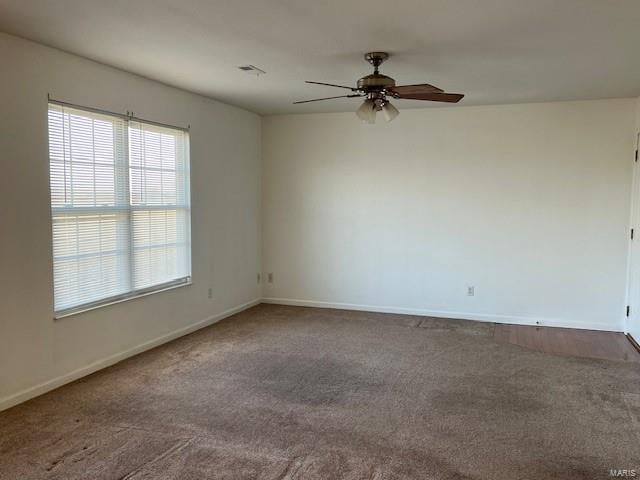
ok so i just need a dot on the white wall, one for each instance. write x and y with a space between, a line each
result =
38 353
528 203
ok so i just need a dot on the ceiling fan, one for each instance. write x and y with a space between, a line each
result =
377 87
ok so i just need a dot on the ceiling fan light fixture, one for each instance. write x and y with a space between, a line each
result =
367 112
389 111
376 88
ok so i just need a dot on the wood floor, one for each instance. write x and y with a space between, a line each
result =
569 342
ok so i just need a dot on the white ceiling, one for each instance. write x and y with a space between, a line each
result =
494 51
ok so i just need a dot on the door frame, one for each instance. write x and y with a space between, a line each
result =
633 258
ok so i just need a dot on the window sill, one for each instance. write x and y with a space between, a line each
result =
122 298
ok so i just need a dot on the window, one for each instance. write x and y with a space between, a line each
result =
120 207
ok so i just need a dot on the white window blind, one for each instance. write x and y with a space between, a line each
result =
120 207
159 183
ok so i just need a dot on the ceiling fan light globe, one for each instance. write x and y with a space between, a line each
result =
366 112
389 111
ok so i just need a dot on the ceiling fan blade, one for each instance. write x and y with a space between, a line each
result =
414 89
333 85
327 98
434 97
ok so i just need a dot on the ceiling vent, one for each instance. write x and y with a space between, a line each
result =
252 70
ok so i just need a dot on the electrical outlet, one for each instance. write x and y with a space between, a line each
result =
259 278
210 292
471 291
270 277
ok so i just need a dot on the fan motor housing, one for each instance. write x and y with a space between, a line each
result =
375 81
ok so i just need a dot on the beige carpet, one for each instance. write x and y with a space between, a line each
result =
299 393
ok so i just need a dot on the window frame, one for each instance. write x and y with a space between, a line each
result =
130 208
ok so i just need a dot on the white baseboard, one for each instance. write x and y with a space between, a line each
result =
482 317
54 383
